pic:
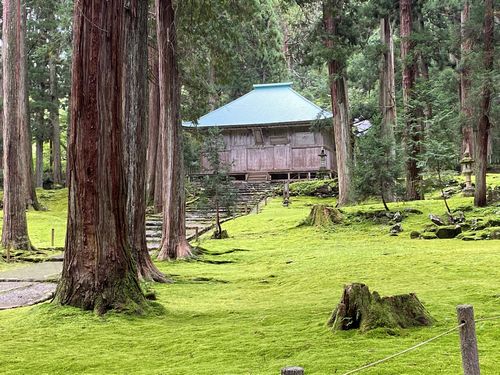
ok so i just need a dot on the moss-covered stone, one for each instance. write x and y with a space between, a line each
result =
414 235
450 231
428 236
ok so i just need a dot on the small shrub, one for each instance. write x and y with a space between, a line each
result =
314 188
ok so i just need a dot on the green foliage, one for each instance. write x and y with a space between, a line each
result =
377 167
314 187
226 47
216 187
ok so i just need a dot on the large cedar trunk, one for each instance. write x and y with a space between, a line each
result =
174 243
158 187
15 229
39 163
340 108
387 96
135 136
26 138
425 110
412 131
98 271
56 129
153 126
484 125
465 82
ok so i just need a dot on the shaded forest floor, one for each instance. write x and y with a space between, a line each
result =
260 300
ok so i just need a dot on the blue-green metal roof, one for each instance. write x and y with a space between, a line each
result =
265 105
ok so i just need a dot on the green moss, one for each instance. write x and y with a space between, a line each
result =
312 188
245 326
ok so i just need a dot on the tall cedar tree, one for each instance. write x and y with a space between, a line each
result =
135 135
465 81
25 139
98 270
54 119
174 244
155 144
412 131
387 96
153 170
340 103
484 125
15 229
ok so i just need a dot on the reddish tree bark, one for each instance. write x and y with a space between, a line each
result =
387 95
135 135
412 131
98 271
465 82
158 190
15 229
56 128
39 163
340 108
484 125
26 137
153 126
174 243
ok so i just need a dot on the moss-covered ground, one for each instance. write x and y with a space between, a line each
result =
260 300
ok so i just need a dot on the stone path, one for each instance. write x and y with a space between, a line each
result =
37 272
29 285
18 294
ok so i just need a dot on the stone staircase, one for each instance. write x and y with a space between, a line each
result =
248 194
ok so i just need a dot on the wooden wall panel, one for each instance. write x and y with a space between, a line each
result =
282 159
306 158
293 149
303 138
241 138
238 160
260 159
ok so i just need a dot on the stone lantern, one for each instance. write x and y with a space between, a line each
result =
322 164
467 171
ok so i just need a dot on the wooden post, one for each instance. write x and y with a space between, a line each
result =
52 237
257 208
196 233
292 371
468 342
8 254
246 209
265 201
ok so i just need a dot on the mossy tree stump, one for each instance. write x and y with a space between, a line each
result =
322 216
360 309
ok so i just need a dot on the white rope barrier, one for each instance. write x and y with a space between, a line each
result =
404 351
416 346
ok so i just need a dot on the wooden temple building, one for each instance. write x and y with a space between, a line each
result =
268 136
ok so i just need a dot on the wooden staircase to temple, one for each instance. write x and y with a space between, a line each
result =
248 195
257 177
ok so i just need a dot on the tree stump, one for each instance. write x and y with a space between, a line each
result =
322 215
220 235
360 309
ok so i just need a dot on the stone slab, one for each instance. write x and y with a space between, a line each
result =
39 272
25 294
